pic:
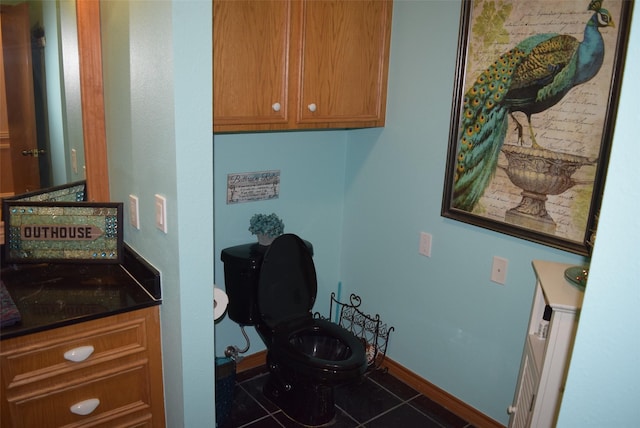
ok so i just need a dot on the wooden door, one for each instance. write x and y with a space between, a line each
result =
343 62
250 62
18 126
6 171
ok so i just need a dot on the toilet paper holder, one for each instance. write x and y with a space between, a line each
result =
220 303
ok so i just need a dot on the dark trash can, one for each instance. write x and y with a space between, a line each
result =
225 384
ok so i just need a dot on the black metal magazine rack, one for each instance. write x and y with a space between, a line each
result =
370 329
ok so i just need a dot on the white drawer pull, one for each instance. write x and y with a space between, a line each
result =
85 407
312 107
78 354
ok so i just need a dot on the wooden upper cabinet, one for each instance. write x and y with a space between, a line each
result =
250 57
343 62
300 64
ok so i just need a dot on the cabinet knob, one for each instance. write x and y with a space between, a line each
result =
512 409
312 107
78 354
85 407
276 106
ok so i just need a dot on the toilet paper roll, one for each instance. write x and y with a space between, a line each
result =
220 302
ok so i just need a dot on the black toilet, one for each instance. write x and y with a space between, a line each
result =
274 289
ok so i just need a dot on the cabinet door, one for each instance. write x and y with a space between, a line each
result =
250 61
343 62
526 391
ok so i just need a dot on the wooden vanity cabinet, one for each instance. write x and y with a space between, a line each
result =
545 360
300 64
122 374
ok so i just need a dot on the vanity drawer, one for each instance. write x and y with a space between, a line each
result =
44 354
124 372
120 394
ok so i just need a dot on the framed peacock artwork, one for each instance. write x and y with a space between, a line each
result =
534 105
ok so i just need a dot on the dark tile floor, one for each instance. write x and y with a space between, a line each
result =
378 400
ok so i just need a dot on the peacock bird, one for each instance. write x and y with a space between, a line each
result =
530 78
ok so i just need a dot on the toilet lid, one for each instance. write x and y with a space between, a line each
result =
288 285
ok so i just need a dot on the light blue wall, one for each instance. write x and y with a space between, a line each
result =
454 327
73 132
361 197
64 109
157 66
312 168
54 86
603 387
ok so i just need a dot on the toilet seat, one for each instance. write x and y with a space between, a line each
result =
348 351
288 286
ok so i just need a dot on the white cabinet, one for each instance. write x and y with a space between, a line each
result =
545 360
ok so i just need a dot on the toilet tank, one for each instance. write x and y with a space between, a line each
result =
241 277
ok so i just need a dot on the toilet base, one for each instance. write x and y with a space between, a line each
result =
307 404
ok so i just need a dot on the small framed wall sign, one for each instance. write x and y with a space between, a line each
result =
74 232
253 186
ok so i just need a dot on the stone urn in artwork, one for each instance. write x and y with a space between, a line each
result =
539 172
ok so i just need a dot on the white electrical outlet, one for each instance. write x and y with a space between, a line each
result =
161 213
425 244
499 270
134 214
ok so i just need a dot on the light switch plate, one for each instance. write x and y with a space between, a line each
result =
161 213
134 213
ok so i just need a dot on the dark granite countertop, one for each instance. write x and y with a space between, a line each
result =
52 295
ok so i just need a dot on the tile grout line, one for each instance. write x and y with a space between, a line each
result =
383 413
268 415
358 423
395 395
407 402
354 420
